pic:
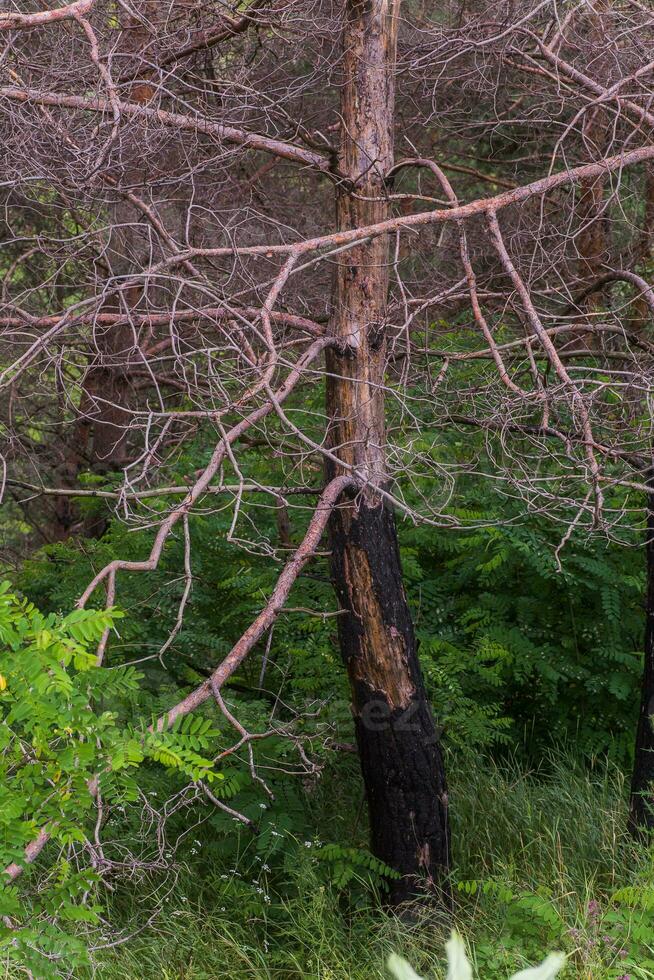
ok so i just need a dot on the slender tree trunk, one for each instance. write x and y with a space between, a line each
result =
641 808
400 756
646 242
592 240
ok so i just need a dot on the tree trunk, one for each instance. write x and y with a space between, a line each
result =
400 756
98 438
646 242
641 808
592 239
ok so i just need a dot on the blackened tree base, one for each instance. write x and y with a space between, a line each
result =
401 759
641 809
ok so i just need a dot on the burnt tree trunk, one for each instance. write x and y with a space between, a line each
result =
641 804
401 760
646 242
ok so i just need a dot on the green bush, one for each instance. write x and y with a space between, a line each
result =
66 743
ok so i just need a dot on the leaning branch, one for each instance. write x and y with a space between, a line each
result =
32 851
204 479
203 313
353 236
211 687
173 120
123 494
10 21
328 500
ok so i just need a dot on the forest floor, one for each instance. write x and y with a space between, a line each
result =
541 862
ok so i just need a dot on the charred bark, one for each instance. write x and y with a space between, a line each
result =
401 760
641 804
644 250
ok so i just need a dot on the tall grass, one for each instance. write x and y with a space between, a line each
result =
537 856
563 822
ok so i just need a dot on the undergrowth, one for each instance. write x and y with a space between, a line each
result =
541 862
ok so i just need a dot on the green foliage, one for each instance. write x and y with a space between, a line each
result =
63 740
516 650
53 740
347 863
263 906
518 657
